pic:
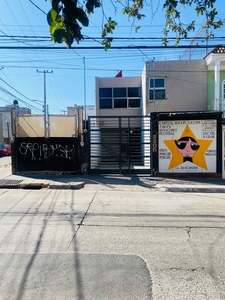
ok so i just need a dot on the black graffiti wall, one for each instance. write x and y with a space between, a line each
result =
45 154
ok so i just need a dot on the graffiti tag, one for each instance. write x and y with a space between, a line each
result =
44 151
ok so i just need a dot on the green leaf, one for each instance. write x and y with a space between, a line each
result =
107 43
137 28
56 26
52 17
91 4
59 35
82 17
69 38
55 4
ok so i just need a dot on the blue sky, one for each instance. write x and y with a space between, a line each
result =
20 80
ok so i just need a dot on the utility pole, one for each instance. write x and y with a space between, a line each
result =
153 62
85 109
8 133
45 105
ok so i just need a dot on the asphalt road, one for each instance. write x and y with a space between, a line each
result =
94 244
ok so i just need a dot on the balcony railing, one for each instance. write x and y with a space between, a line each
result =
217 104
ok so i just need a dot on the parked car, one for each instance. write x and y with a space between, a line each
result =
5 150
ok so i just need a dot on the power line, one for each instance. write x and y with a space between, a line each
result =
100 38
113 47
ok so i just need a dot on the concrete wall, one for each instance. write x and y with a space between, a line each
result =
186 85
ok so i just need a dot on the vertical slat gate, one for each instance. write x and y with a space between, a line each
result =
119 145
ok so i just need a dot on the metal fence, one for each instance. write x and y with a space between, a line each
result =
119 145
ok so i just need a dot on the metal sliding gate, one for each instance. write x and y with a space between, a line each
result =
119 145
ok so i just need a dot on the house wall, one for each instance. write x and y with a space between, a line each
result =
186 85
211 85
116 82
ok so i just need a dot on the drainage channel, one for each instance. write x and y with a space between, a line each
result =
32 186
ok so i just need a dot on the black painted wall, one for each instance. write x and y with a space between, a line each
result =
45 154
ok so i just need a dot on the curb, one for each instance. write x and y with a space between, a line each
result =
191 189
55 186
66 186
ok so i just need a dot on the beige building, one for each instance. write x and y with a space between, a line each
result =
164 86
179 85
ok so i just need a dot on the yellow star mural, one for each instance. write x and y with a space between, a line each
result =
198 157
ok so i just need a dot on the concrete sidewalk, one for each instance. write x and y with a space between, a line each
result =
143 183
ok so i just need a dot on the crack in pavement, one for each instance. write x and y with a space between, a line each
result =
82 220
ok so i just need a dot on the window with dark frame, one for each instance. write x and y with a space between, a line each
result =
105 103
105 98
134 103
120 103
119 97
157 88
119 92
134 92
105 92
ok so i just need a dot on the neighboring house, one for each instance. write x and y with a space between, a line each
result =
7 126
215 62
179 85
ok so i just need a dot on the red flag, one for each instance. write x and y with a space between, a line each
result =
119 74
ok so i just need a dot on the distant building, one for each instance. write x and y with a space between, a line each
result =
6 120
1 129
90 111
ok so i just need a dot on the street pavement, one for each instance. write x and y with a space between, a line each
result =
113 238
111 243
